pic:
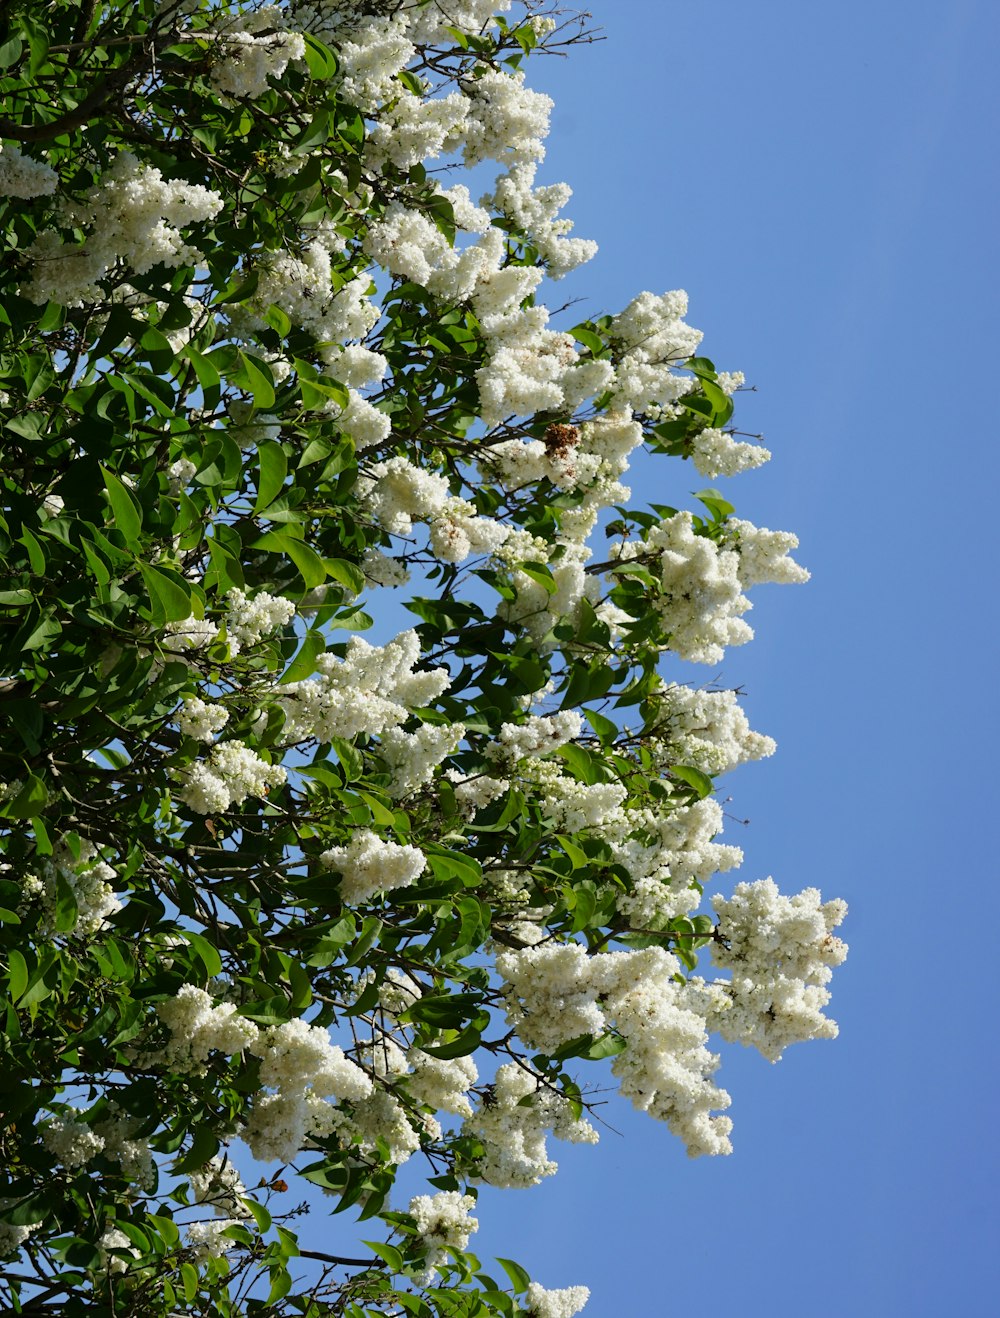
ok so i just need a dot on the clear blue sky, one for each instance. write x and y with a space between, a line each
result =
821 179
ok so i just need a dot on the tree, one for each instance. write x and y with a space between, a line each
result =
269 886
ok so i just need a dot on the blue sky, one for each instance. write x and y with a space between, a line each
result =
820 179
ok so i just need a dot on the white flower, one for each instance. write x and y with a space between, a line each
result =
218 1184
763 554
371 689
250 61
555 1304
73 1142
207 1239
715 453
369 866
191 634
231 773
20 176
537 735
780 951
136 217
443 1220
201 720
198 1027
250 620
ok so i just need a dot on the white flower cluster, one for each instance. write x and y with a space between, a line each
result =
763 554
669 858
457 531
72 1141
565 1303
135 216
700 598
12 1237
474 792
780 952
189 634
412 757
443 1221
218 1184
247 426
179 474
208 1240
22 177
231 773
305 288
369 866
507 121
707 730
121 1143
441 1084
512 1125
371 689
537 735
714 453
383 570
301 1065
250 620
534 210
199 1026
115 1250
556 994
652 340
200 719
396 493
573 806
254 48
91 882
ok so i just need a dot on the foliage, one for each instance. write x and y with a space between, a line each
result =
266 886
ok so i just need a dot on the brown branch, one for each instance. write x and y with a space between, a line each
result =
115 82
337 1258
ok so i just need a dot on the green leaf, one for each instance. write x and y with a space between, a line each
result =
578 857
346 573
281 1284
308 562
582 763
273 468
36 555
320 59
189 1277
256 376
17 974
539 573
32 798
589 339
606 730
258 1212
608 1045
719 507
519 1279
387 1253
701 782
304 663
127 514
208 376
173 599
66 911
317 133
205 952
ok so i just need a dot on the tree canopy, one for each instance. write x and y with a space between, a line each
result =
271 893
